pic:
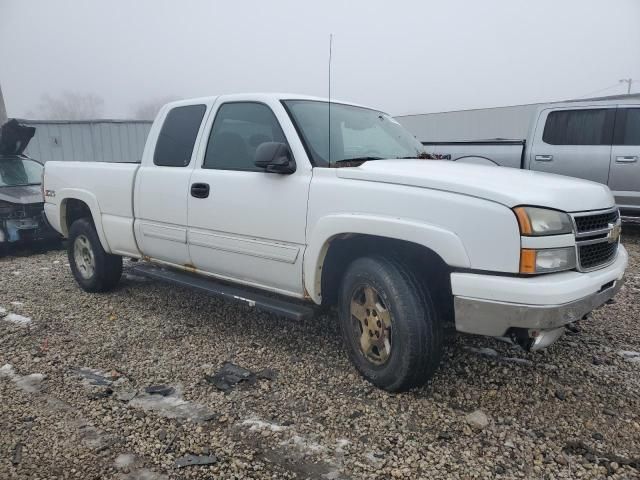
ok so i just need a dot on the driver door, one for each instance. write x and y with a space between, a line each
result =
244 224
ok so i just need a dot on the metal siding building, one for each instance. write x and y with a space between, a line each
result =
88 140
482 124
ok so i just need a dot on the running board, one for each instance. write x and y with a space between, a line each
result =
295 310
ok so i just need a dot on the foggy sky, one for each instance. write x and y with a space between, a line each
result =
399 56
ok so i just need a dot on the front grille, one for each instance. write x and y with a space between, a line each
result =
12 211
33 209
596 238
599 221
595 254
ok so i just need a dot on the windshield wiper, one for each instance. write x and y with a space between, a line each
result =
358 160
419 156
21 185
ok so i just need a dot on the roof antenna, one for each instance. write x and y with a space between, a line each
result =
330 48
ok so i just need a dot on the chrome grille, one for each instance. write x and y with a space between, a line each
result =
598 221
597 238
596 254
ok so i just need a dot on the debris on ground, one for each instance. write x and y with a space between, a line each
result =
229 376
100 394
267 374
17 454
189 460
162 390
95 377
126 395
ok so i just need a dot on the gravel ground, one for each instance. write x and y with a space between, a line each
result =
74 368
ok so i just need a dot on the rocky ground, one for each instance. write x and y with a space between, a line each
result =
75 369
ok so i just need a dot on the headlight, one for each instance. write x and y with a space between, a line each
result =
547 260
536 221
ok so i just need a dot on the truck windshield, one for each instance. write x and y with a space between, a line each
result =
16 172
357 134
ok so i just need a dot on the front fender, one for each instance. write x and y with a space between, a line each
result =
443 242
91 201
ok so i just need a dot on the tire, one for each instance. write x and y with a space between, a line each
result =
403 326
94 269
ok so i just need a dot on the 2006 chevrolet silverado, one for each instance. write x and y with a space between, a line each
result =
285 201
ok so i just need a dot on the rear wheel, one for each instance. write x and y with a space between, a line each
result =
94 269
389 324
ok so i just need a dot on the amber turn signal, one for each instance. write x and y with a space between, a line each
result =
524 221
527 261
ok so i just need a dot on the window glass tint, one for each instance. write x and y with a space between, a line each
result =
579 127
178 135
628 127
19 171
238 130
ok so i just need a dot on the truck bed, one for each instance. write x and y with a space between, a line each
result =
111 198
502 152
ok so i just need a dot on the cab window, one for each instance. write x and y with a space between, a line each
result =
178 136
238 130
579 127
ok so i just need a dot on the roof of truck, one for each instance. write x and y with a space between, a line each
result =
259 96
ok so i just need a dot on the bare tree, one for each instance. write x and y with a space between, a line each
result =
147 110
69 106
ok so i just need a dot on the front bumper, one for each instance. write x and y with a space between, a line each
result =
491 305
26 229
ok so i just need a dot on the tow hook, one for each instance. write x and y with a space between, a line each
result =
533 340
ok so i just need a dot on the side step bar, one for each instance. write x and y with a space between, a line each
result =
295 310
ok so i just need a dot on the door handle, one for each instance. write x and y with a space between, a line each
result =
200 190
544 158
627 159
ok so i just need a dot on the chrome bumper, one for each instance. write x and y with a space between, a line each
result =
489 317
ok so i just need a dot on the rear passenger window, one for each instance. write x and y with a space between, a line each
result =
178 135
579 127
238 130
627 127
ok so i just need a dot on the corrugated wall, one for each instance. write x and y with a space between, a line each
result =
88 141
482 124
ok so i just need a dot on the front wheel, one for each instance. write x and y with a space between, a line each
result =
389 324
94 269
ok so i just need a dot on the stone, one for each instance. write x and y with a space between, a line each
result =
477 420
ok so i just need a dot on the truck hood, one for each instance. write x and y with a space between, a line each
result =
508 186
22 195
14 137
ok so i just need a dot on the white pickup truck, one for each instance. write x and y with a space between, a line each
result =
286 202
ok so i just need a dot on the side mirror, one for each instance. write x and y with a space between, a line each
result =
275 157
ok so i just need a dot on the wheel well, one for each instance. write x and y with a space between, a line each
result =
73 210
427 265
